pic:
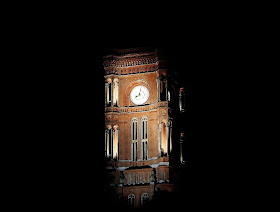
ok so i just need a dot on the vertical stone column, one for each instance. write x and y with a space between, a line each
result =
109 140
182 100
181 148
112 93
167 137
164 138
115 92
115 142
106 94
158 89
159 139
170 136
106 139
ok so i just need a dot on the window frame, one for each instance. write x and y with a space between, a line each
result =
144 198
134 139
144 138
131 200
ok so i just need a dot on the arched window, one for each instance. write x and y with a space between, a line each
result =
111 92
144 199
134 137
182 100
170 131
181 147
115 153
108 92
163 88
111 142
131 200
164 138
116 92
144 138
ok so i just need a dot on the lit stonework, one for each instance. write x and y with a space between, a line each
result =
139 138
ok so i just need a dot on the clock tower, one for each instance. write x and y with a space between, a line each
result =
140 100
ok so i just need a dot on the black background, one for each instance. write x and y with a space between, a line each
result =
198 61
206 55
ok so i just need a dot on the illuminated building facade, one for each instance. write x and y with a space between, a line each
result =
143 103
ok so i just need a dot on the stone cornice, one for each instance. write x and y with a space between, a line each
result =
124 62
153 162
136 108
131 52
131 70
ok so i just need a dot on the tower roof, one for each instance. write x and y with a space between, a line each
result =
130 52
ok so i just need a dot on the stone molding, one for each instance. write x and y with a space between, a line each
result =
121 63
124 164
136 109
130 70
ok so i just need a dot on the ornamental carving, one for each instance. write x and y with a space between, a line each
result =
138 109
119 63
163 112
130 70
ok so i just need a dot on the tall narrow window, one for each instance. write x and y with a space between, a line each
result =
144 138
131 200
164 138
108 92
181 147
109 142
163 90
134 135
115 142
170 137
106 134
110 151
182 100
144 199
115 92
111 92
168 96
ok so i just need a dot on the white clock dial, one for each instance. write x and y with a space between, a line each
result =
139 95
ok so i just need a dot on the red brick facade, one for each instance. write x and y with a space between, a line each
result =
137 177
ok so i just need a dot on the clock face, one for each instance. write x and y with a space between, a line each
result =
139 95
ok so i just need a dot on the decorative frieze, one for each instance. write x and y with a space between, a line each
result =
136 109
120 63
123 66
130 70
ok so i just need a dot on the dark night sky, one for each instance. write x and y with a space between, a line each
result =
207 54
197 58
203 53
208 63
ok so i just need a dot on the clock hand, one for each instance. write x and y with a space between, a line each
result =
138 95
139 92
